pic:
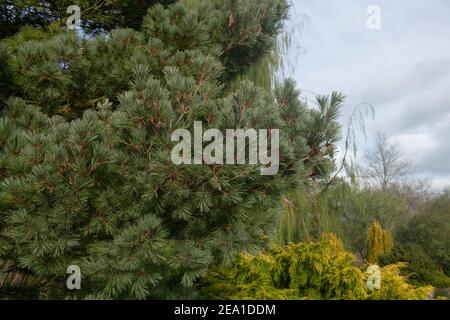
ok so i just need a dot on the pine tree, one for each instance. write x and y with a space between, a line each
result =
63 73
86 173
97 16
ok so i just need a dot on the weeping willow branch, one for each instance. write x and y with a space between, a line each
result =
355 123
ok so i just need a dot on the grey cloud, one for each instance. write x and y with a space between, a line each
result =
403 70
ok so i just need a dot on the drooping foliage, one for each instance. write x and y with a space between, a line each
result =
344 208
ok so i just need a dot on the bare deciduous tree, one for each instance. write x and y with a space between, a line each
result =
385 165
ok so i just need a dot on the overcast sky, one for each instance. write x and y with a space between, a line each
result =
402 69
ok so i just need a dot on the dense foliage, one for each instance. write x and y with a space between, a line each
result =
418 225
62 74
85 161
96 15
87 178
424 243
344 208
318 270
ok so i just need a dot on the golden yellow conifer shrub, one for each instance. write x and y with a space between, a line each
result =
315 270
